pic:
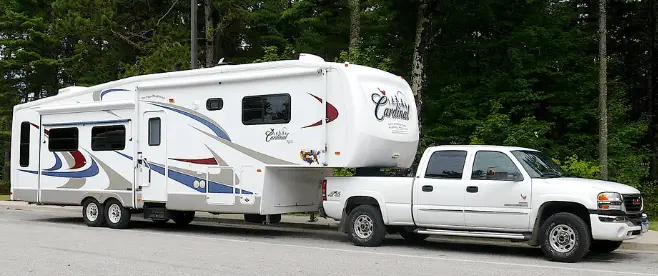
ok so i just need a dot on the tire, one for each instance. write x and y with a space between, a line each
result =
604 246
93 213
116 216
365 226
565 237
182 218
412 237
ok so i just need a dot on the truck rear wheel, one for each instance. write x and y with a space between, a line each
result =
604 246
565 237
93 213
365 226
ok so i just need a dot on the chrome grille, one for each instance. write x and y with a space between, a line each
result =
633 203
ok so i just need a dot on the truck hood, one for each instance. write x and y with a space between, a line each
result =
603 186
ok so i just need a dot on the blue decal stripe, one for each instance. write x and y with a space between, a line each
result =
210 125
58 163
188 181
124 155
89 172
87 123
110 91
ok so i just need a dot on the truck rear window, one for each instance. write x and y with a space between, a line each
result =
446 164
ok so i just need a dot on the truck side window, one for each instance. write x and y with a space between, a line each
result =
493 165
446 164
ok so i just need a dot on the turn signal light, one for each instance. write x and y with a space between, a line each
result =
324 189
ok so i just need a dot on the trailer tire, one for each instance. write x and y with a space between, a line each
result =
93 213
182 218
117 216
365 226
565 237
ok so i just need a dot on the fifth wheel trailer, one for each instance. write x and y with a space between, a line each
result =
253 139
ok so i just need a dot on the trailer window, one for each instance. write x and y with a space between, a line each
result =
154 132
446 164
266 109
63 139
214 104
25 145
104 138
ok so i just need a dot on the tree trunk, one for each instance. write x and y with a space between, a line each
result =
355 25
603 93
652 81
421 49
210 37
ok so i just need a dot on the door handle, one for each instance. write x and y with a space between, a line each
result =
428 188
472 189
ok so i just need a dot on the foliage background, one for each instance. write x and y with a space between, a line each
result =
498 71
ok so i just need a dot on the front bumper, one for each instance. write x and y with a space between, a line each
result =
617 227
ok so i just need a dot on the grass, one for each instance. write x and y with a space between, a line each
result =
653 225
4 197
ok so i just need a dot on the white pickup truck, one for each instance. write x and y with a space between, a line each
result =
488 192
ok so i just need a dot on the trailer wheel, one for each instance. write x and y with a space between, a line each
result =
565 237
93 213
116 216
182 218
365 226
254 218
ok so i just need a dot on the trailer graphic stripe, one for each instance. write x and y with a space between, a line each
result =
221 133
332 113
58 163
204 161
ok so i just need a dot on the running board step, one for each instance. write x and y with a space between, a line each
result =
493 235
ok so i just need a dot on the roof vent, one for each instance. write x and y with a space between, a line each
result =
71 89
310 58
222 62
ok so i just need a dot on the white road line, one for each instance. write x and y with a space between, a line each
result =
406 255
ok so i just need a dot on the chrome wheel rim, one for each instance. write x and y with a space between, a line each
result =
562 238
363 226
114 213
92 211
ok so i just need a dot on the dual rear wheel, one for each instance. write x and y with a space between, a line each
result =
111 213
114 215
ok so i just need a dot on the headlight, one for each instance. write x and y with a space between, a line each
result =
610 201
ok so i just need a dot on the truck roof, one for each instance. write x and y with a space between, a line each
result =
480 147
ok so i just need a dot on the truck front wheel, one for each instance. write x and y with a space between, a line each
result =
565 237
365 226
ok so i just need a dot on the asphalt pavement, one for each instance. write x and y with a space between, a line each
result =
50 241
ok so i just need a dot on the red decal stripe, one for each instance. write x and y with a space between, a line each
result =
205 161
79 159
332 113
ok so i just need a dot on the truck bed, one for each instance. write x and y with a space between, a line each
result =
392 192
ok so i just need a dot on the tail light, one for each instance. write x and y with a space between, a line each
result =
324 189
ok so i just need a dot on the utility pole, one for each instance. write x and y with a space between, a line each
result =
603 93
193 33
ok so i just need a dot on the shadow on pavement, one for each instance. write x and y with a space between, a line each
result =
440 247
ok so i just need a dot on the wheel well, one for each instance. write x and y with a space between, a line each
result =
355 201
550 208
85 199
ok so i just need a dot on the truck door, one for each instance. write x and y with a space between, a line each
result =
152 154
439 190
495 198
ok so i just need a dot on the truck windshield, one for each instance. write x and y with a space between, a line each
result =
538 164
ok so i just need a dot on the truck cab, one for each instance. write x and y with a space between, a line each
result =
483 191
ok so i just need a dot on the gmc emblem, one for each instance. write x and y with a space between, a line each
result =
636 201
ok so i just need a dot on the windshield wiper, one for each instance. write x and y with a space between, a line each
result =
550 174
